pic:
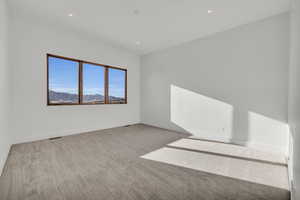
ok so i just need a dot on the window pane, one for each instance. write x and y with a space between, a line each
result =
93 83
63 81
116 87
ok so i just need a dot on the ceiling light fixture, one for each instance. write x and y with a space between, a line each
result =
70 15
209 11
136 11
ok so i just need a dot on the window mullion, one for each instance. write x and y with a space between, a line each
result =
80 84
125 87
106 100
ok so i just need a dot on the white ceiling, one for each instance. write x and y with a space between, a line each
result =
156 24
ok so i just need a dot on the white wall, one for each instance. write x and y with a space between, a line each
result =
4 86
230 86
294 91
31 40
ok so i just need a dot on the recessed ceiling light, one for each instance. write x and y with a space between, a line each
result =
138 43
209 11
136 11
70 15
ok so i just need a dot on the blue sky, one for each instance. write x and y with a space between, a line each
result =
116 82
63 77
93 79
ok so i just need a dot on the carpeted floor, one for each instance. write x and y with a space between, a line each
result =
107 165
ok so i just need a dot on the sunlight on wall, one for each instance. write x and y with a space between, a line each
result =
200 115
264 131
208 118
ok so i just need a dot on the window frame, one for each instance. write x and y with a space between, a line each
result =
80 82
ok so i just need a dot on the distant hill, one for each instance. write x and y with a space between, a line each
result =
58 97
64 97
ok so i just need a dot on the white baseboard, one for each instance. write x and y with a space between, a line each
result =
4 159
250 144
293 193
291 161
34 137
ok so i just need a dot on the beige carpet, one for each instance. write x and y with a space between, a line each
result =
108 165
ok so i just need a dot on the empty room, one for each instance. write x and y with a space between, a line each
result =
150 100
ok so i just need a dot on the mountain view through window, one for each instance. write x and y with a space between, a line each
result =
116 86
63 81
72 81
93 83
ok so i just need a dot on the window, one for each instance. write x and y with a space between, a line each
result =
93 84
116 85
63 81
76 82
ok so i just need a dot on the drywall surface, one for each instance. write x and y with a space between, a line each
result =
4 86
31 40
294 92
231 86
